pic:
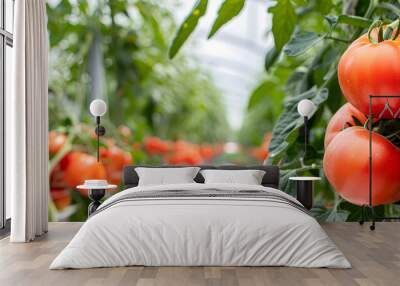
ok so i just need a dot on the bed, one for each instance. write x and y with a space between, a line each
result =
198 224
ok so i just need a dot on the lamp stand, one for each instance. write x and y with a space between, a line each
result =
100 131
305 136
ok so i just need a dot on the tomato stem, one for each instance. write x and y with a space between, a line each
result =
374 25
384 34
380 33
388 33
397 30
366 124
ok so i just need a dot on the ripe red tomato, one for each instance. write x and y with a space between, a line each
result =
78 167
155 146
371 69
61 198
342 119
346 165
185 154
114 159
207 152
56 141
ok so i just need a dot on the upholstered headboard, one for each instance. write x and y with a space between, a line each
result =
270 179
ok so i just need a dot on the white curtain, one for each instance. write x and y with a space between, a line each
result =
27 123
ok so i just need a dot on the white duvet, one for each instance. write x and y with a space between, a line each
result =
200 231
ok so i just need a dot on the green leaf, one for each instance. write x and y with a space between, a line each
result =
270 58
228 10
187 27
356 21
301 42
329 215
284 182
324 7
290 121
283 22
300 2
390 7
259 93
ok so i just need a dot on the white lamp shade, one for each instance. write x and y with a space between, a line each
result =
306 108
98 107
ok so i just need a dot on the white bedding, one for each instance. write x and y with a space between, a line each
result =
200 231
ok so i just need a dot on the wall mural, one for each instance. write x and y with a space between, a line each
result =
165 107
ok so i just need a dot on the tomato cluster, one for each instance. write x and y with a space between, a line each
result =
181 152
365 69
76 166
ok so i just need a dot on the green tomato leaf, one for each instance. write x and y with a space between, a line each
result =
187 27
228 10
283 22
270 58
356 21
300 2
286 129
284 182
259 93
390 7
301 42
323 214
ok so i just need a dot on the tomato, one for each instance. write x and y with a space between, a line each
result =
207 152
371 69
155 146
78 167
61 198
185 154
56 141
346 165
114 159
342 119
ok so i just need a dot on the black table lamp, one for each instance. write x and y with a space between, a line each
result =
306 108
98 108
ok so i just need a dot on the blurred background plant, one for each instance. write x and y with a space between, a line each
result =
160 111
172 111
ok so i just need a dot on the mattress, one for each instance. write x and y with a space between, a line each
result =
201 225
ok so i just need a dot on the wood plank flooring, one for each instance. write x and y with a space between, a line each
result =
375 257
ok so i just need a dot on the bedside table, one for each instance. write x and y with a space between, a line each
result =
96 193
305 190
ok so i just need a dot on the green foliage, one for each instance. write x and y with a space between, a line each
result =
188 26
286 129
301 42
228 10
270 58
284 19
355 21
144 89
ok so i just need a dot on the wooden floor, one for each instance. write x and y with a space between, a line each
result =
375 257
